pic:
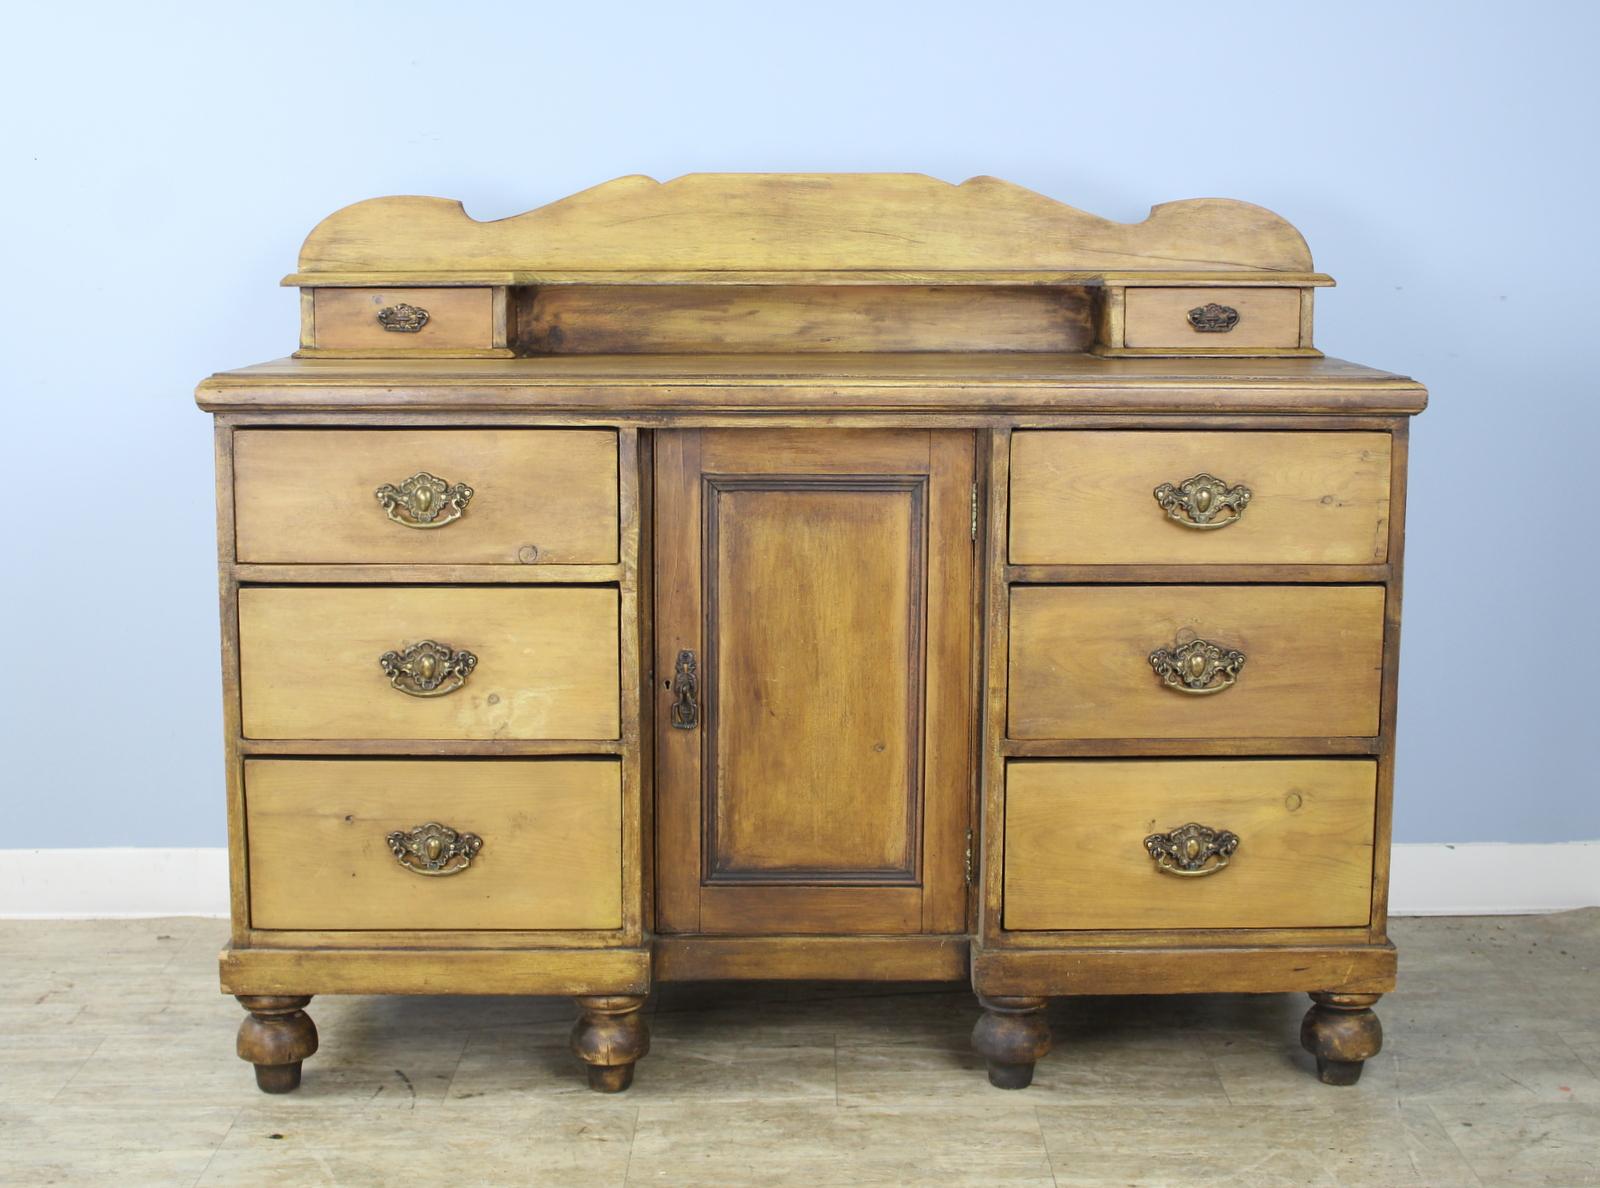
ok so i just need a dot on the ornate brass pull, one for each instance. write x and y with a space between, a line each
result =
434 849
402 318
1192 850
1198 666
428 669
1212 318
685 692
424 501
1200 501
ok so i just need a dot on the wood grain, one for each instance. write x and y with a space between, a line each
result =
540 497
551 831
747 426
1112 748
635 679
805 808
819 587
994 637
714 319
1087 498
434 747
1080 661
228 623
347 319
547 662
263 970
1154 938
1188 575
735 222
1159 318
1384 827
951 697
1184 968
678 551
786 958
592 939
610 388
425 574
1075 857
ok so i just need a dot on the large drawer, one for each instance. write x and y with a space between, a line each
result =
395 496
544 662
1100 498
1084 661
516 843
1076 854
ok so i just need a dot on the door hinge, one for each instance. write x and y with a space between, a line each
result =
974 511
971 874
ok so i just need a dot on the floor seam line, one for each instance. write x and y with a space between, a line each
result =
82 1064
217 1150
1454 1146
633 1142
1044 1146
455 1069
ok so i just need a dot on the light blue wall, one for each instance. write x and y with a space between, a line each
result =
163 163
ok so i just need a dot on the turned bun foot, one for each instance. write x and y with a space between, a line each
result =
276 1036
1341 1031
609 1036
1011 1036
610 1078
278 1078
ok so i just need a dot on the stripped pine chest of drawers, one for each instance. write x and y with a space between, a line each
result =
808 576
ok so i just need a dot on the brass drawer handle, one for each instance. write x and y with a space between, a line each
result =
427 669
424 501
434 849
1198 666
403 318
1200 502
1212 318
1192 850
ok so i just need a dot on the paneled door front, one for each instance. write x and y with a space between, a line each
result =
814 618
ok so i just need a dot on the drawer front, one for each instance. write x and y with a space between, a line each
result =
1243 320
401 320
1082 667
547 851
546 666
1091 498
539 496
1076 855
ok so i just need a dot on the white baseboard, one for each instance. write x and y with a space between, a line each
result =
1431 879
113 883
1493 878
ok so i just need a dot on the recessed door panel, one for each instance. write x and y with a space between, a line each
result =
821 583
813 677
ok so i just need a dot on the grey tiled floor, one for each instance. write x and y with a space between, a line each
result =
116 1066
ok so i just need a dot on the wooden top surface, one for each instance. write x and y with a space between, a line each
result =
776 228
983 382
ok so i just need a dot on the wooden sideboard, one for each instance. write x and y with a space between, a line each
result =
790 576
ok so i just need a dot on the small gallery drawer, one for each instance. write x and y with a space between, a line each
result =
401 320
1199 498
1102 844
429 662
426 496
1139 661
1187 320
424 844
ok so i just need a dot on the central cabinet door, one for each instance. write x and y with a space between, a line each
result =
814 619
